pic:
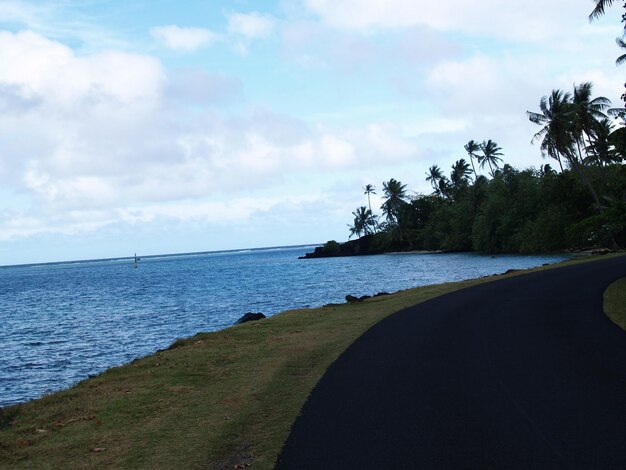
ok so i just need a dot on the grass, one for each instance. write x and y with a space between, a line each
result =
217 400
615 302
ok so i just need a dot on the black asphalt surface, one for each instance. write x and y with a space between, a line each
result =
525 372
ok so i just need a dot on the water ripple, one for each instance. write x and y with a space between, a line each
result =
64 322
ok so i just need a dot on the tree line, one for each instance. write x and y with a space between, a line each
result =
578 201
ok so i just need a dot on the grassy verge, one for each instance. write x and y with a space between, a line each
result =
216 400
615 302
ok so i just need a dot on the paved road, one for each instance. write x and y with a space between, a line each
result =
525 372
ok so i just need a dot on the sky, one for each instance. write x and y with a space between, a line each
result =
160 126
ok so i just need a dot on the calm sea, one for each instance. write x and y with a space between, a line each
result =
62 322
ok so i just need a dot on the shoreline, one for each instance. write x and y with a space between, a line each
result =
206 378
346 292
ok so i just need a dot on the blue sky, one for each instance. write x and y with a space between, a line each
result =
161 126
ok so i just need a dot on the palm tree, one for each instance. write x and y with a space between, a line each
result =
459 176
471 148
545 170
491 153
443 187
364 222
433 175
586 112
598 10
600 151
553 116
369 189
395 197
622 44
564 126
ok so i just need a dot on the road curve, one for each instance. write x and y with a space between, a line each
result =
524 372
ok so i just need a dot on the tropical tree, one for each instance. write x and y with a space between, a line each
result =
568 120
433 176
364 222
443 187
553 116
600 151
394 198
545 170
471 148
459 178
491 153
369 189
585 113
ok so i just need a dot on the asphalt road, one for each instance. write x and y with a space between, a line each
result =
525 372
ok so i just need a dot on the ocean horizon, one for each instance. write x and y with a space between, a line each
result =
190 253
65 321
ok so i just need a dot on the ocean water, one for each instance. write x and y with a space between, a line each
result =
61 322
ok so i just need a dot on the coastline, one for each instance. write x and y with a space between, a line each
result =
117 313
242 385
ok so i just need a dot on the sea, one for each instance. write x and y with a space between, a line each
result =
62 322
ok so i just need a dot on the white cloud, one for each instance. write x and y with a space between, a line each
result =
531 20
183 39
434 126
48 69
97 137
250 25
198 87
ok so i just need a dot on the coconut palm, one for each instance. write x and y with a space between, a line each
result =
553 116
564 123
471 148
369 189
395 198
460 175
491 153
585 113
444 187
364 222
433 175
600 151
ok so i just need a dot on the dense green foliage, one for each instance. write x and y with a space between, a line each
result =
533 210
580 205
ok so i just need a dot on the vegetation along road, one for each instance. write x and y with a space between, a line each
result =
524 372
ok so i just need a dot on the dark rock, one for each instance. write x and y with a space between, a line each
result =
380 294
364 297
363 246
250 316
351 299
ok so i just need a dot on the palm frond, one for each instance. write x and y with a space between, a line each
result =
598 11
536 118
